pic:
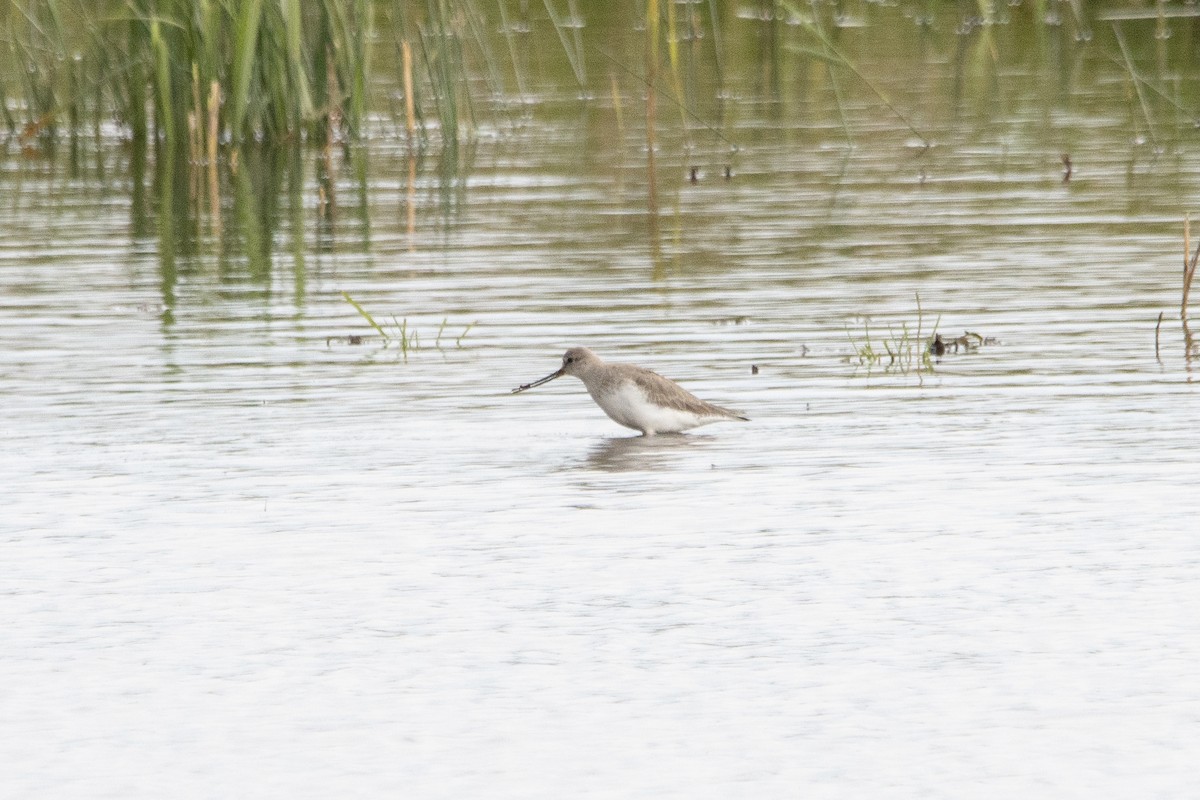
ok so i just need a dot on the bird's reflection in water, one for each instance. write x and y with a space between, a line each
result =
625 453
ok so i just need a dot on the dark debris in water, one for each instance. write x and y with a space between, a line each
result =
967 343
695 173
352 339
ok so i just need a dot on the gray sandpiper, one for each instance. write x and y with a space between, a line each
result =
637 398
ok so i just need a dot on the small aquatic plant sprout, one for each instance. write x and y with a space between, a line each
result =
399 332
902 350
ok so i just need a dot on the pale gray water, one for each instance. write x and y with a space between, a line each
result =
241 559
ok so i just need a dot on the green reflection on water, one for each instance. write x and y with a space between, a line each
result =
841 97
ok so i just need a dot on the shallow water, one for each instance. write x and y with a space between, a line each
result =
246 557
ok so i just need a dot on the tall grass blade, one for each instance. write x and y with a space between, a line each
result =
830 53
165 116
572 48
245 37
370 320
673 60
653 90
1133 76
297 74
510 39
714 15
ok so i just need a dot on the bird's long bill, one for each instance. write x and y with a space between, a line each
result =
546 379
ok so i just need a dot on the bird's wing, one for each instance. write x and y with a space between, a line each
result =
665 392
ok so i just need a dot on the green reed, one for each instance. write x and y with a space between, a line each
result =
200 78
284 69
428 47
39 41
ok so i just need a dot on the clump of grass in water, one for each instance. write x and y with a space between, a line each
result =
400 333
901 351
458 341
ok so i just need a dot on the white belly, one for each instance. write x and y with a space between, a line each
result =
628 406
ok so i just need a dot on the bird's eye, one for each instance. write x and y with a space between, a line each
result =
569 359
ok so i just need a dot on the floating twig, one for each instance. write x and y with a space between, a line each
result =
1156 329
1189 265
